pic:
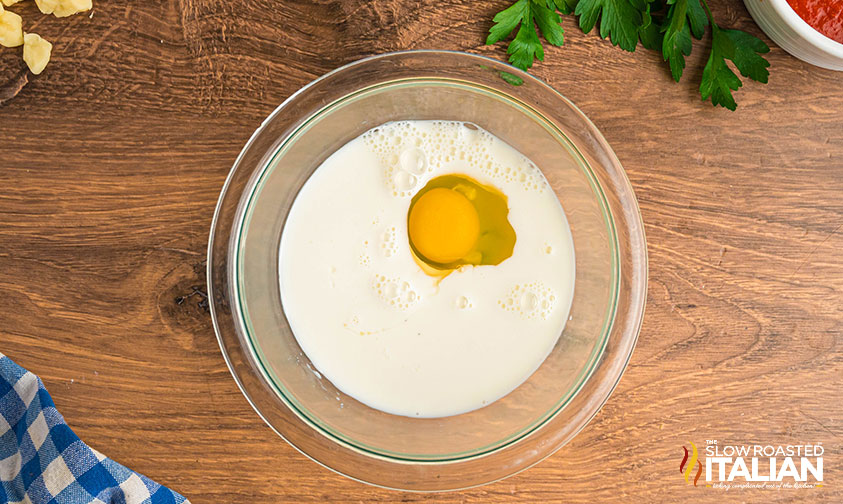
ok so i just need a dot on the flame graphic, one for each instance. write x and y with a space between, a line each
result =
686 466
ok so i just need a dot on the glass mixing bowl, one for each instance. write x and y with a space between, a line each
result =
427 454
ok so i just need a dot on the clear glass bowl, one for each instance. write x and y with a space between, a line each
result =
427 454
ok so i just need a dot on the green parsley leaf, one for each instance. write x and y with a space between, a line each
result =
650 32
697 18
743 49
564 6
506 21
747 57
677 37
620 20
526 46
718 81
684 17
549 23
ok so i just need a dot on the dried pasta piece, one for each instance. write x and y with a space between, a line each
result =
11 31
36 52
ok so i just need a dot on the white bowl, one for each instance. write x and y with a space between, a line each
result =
787 29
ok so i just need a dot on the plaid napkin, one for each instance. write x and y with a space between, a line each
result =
43 462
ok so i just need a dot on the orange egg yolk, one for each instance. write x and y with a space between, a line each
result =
443 225
454 221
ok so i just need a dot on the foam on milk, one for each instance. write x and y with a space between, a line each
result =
409 149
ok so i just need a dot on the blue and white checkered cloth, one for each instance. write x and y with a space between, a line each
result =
43 462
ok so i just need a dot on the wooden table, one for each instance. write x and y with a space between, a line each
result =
113 158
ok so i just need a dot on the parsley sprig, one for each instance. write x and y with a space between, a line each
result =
667 26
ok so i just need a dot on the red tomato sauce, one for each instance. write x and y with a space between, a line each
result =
826 16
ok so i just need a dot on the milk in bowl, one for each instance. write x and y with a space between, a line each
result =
426 268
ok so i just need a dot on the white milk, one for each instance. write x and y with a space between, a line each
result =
418 348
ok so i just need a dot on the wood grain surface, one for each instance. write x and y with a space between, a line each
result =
111 162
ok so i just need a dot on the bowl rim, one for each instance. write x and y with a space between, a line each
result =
805 31
638 283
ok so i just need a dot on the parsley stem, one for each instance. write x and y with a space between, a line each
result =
709 15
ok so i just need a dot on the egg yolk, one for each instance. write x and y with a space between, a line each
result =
443 225
454 221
